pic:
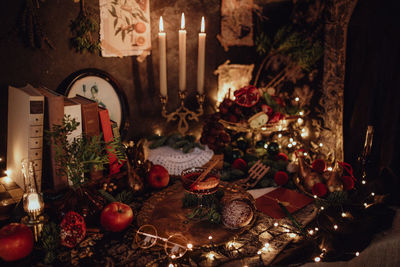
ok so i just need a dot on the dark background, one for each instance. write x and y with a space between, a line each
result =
372 88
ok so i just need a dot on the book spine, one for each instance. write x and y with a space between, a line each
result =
90 119
108 137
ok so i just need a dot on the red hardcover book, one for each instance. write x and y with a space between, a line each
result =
105 123
291 199
90 124
90 117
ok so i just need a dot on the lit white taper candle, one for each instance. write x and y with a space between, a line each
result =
201 58
163 59
182 55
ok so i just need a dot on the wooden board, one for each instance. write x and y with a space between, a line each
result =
164 211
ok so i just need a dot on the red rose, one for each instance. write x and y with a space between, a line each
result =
319 189
239 164
318 165
281 156
275 118
348 182
247 96
281 178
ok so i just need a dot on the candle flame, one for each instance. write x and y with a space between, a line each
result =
183 21
202 29
161 24
33 202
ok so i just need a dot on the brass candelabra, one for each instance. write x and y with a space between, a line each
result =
182 114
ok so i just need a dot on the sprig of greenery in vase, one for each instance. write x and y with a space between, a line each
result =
78 156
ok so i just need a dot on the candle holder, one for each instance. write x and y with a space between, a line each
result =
182 113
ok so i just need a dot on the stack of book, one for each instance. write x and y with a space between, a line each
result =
33 110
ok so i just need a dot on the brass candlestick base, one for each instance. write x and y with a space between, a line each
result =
182 114
36 223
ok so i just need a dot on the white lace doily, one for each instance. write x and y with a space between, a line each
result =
175 161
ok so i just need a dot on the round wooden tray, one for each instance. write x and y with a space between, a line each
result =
164 211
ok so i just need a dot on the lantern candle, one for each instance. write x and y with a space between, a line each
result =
201 58
182 55
33 202
163 59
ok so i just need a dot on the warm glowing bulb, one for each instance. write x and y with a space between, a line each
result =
372 194
301 113
317 259
344 214
266 146
300 120
365 204
289 145
322 208
316 228
211 256
276 224
279 135
33 202
294 143
311 232
290 139
183 21
161 27
292 235
330 169
357 254
297 99
210 237
335 227
363 182
1 159
266 245
7 180
170 265
321 145
259 252
305 154
315 196
189 246
202 28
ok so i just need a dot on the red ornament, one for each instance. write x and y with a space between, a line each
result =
247 96
281 156
348 182
16 241
281 178
239 164
73 229
318 165
319 189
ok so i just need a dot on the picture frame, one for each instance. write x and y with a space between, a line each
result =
100 86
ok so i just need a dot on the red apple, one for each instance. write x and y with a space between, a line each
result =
158 177
116 216
16 241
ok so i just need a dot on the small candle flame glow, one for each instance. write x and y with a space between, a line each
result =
183 21
33 202
161 24
202 28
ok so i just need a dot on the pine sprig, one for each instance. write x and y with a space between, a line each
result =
50 241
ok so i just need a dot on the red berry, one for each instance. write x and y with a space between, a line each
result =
281 178
281 156
348 182
319 189
318 165
239 164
